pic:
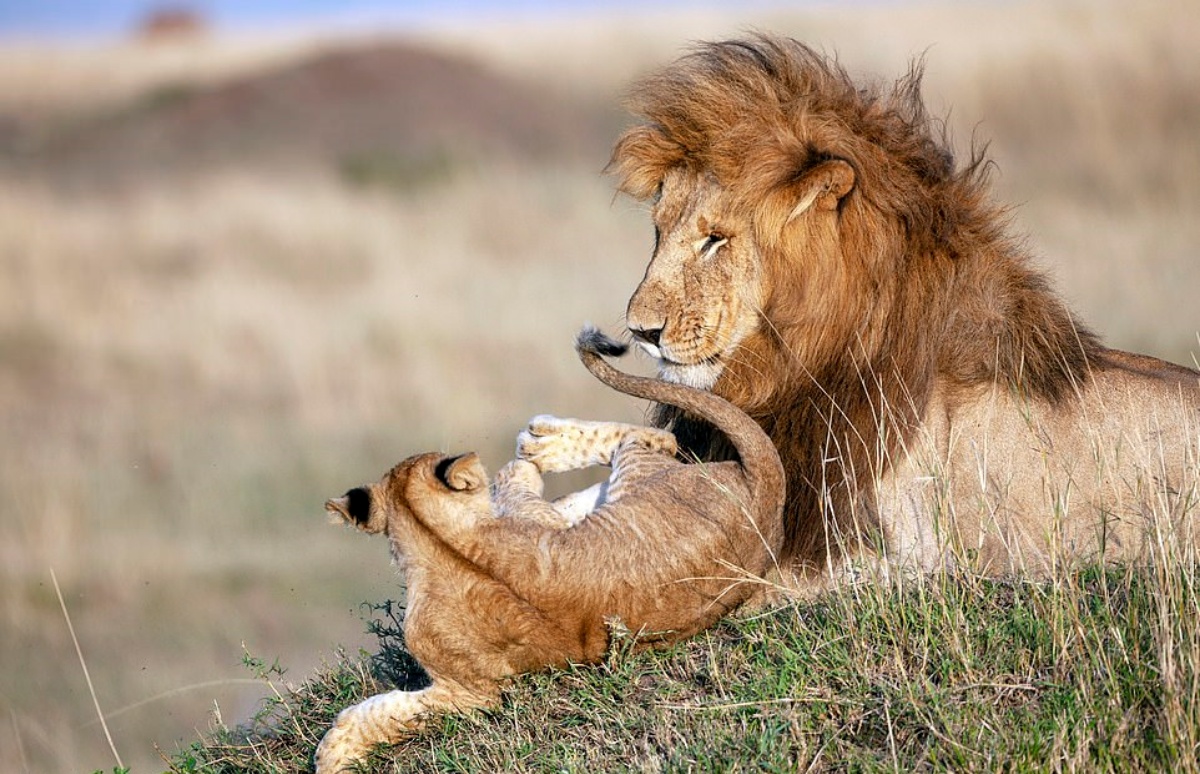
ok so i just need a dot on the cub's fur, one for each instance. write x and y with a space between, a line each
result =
499 583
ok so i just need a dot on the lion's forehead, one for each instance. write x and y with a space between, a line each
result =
691 203
678 195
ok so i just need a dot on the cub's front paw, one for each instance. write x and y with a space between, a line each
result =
518 476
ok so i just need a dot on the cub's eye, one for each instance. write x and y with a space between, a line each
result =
709 245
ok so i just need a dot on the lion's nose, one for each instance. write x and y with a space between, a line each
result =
648 335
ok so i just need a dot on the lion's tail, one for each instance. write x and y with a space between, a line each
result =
758 455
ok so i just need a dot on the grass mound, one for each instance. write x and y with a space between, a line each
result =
1094 671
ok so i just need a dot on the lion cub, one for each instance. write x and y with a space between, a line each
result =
502 582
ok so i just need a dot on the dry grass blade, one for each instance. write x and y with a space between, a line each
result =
83 664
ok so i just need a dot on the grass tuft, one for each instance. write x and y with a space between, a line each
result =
1095 670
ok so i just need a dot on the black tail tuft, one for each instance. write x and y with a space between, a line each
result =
597 342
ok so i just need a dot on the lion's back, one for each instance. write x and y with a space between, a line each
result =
1009 484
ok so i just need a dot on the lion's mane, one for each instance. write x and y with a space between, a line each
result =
930 293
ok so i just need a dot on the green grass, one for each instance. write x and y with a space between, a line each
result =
1095 671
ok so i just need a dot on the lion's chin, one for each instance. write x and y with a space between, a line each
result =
701 376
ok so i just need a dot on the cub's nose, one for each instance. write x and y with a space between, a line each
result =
648 335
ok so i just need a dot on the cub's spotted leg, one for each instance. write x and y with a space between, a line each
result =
386 719
557 445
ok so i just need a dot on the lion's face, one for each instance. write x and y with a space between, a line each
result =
702 292
709 285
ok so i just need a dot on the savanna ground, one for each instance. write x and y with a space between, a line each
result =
232 289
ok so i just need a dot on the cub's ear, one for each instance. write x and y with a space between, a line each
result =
354 507
463 474
823 186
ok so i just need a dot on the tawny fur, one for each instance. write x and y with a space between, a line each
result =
822 263
497 585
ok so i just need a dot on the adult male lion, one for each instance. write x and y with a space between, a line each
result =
822 263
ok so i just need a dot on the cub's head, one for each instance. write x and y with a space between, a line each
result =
415 487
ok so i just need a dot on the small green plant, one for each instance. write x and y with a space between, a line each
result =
392 664
283 733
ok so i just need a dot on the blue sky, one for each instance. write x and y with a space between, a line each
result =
106 18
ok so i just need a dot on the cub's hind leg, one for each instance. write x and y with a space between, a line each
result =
639 456
386 718
558 445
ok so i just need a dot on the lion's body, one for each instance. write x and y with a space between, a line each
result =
821 263
499 583
1006 484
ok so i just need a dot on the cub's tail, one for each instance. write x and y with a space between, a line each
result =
759 457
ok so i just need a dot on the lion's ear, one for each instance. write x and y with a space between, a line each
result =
823 186
463 474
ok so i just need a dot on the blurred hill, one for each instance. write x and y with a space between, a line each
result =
394 111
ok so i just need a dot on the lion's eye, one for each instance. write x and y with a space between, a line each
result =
710 244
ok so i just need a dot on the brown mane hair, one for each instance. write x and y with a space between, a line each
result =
927 287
